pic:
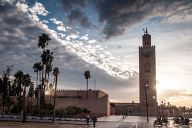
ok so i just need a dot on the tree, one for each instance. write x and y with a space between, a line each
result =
43 41
1 85
50 89
5 86
87 76
26 82
46 59
38 67
10 103
12 90
31 91
55 73
18 83
48 69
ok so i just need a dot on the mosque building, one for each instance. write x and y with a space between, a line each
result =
147 83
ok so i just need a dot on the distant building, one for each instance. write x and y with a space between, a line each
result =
97 101
131 109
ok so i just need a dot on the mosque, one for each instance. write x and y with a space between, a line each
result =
147 83
98 102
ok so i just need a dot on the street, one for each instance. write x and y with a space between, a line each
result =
103 122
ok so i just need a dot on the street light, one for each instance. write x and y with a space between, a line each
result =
146 103
156 103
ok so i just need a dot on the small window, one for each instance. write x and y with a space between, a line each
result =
147 71
147 55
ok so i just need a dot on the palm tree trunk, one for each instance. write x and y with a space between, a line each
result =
24 105
45 79
41 89
3 110
48 76
37 86
87 88
50 99
54 99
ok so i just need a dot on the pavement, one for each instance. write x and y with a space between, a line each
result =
103 122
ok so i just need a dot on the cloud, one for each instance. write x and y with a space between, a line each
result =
77 16
69 4
85 37
91 41
176 97
22 6
170 93
94 55
118 16
61 28
23 32
19 40
75 12
55 21
38 9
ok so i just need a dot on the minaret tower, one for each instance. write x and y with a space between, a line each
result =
147 75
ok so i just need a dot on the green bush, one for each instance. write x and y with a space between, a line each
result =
60 112
35 112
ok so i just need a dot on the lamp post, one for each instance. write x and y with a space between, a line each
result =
156 103
146 103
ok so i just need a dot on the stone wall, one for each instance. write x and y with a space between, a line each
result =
97 101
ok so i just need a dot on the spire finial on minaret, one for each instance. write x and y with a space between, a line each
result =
145 31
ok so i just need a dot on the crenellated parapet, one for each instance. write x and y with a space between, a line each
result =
78 90
69 93
152 46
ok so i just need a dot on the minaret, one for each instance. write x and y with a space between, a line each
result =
147 75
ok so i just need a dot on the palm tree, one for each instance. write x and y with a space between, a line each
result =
26 82
48 69
36 92
55 73
87 76
46 58
50 89
4 90
43 40
42 43
38 68
31 91
5 87
46 62
18 82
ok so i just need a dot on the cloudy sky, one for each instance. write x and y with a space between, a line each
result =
102 36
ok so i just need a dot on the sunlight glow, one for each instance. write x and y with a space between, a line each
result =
165 82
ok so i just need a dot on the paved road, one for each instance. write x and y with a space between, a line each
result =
103 122
131 122
128 122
